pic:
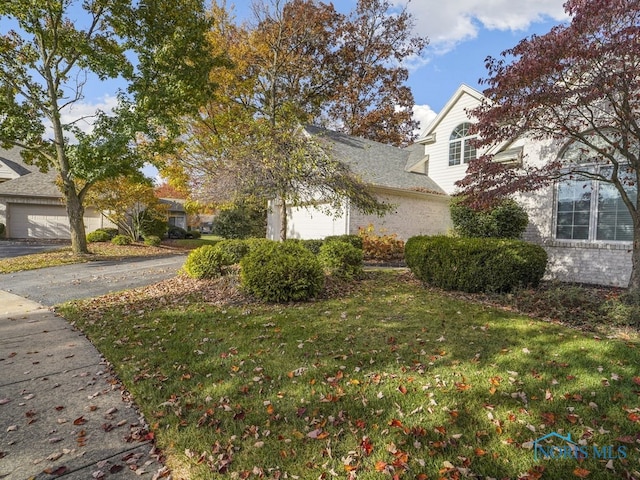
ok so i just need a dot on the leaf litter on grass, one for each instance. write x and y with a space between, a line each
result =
388 378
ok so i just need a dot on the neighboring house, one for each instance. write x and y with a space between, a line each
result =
31 205
420 206
176 214
582 224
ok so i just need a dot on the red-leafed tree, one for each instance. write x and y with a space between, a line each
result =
577 85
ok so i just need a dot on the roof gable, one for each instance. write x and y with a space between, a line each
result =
11 164
428 136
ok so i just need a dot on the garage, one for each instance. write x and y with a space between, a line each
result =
37 221
27 220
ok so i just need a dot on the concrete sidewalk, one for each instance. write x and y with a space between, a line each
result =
62 415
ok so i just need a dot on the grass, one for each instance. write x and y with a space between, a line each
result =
387 379
64 256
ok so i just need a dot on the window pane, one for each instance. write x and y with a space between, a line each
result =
455 150
574 207
614 219
469 151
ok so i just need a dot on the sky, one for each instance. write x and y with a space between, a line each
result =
461 33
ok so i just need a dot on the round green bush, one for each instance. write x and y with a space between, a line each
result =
235 250
281 272
3 230
341 259
152 240
508 219
206 261
355 240
475 264
121 240
98 236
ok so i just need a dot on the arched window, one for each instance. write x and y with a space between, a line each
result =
461 149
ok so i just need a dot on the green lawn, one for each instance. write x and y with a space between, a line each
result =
391 379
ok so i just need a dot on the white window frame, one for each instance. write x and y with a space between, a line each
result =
462 140
593 209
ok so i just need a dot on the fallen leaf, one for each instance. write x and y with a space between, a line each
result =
4 401
56 471
581 472
79 421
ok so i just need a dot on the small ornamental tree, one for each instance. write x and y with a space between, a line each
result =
578 84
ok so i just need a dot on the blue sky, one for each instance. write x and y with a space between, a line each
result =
462 33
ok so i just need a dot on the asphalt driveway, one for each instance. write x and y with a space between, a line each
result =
53 285
16 248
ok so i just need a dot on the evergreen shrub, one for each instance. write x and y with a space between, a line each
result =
281 272
206 261
98 236
341 259
475 264
121 240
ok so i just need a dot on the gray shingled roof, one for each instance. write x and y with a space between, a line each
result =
376 163
34 184
12 159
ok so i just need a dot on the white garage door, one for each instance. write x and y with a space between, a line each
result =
37 221
45 221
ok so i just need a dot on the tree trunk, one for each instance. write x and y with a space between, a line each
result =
283 219
75 212
634 281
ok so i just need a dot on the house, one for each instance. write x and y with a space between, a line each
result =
583 225
176 214
420 206
31 205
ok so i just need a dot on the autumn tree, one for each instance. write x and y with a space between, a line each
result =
577 85
372 99
130 203
57 47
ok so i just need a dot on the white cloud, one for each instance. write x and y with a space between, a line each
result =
448 23
425 115
83 113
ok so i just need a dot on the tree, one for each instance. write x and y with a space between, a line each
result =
372 99
158 48
249 141
577 84
129 202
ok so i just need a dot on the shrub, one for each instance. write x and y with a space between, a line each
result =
355 240
153 222
206 262
3 230
380 246
177 232
98 236
234 250
474 264
622 310
112 232
241 221
506 220
341 259
257 242
281 272
194 233
121 240
312 245
152 240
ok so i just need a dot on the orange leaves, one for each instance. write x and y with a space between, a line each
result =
634 417
366 446
581 472
548 418
461 386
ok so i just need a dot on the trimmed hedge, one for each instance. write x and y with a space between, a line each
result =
121 240
281 272
354 240
341 259
152 240
206 261
508 219
475 264
98 236
235 250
